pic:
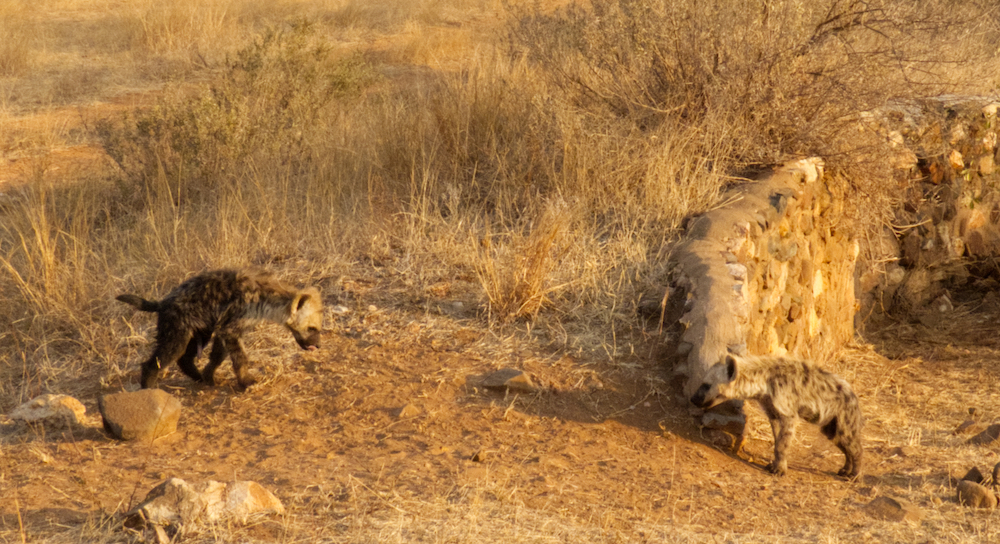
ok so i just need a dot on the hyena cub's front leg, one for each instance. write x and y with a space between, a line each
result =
241 362
783 429
215 358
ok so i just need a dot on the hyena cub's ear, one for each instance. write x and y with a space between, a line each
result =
730 367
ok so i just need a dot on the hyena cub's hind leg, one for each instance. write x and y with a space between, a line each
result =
178 347
847 443
228 345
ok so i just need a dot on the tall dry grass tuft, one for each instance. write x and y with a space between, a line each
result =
183 25
16 39
517 275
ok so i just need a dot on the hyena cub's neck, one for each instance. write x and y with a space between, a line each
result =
271 302
752 378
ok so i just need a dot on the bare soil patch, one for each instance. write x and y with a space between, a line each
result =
384 435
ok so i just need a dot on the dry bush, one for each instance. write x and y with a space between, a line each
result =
751 84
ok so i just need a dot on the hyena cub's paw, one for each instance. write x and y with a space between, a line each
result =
244 383
778 469
848 473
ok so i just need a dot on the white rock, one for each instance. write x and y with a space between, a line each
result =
183 505
55 409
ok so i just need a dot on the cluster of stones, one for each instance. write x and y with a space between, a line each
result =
174 506
950 213
767 272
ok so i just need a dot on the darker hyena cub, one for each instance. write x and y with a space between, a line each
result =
786 388
224 303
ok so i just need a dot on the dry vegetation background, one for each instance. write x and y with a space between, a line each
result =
532 161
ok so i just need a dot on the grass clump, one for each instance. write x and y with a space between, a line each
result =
265 113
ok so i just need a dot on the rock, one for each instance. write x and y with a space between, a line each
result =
996 475
973 476
408 410
509 379
51 410
902 451
723 440
145 415
956 160
989 436
965 427
177 504
728 418
889 509
986 166
973 495
481 456
943 304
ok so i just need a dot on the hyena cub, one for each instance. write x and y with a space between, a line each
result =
786 388
224 303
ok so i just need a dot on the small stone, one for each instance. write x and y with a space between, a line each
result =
955 160
989 436
407 411
986 166
480 456
973 495
340 309
53 410
943 304
965 427
889 509
901 451
144 415
509 379
996 475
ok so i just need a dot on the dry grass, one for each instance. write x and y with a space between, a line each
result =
541 160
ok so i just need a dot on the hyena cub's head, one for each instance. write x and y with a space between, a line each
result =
713 390
306 318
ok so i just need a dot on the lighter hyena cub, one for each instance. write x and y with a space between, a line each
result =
786 388
224 303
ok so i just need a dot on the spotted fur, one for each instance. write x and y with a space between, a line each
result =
787 389
224 304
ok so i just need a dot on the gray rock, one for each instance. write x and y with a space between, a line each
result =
183 506
889 509
974 476
141 415
974 495
51 410
989 436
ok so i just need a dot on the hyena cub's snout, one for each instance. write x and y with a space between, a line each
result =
701 398
709 394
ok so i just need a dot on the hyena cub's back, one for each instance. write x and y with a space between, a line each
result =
786 389
223 304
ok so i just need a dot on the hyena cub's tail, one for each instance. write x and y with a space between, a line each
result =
140 303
